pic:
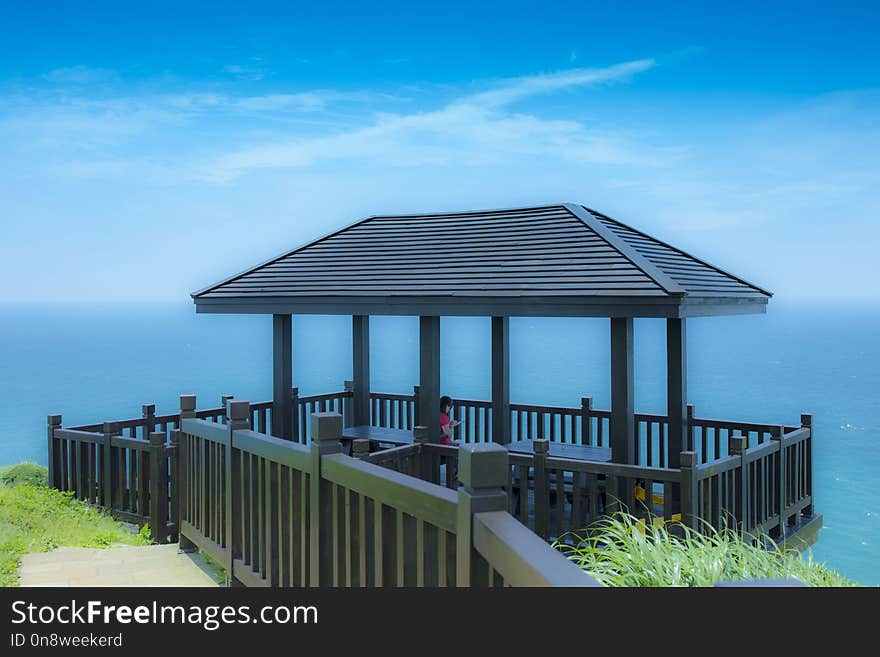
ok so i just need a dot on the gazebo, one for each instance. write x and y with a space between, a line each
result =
282 505
561 260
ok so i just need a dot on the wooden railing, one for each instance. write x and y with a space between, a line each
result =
130 478
277 513
556 496
394 411
740 471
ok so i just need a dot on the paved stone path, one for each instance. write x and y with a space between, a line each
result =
152 565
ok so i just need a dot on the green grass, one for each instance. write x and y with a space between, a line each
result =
617 552
34 518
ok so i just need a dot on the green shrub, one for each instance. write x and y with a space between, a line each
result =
35 519
621 551
28 473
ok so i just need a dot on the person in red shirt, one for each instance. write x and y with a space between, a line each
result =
447 425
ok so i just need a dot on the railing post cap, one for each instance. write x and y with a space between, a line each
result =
54 420
157 438
586 401
738 444
238 409
360 447
326 426
541 446
806 419
482 465
109 427
421 434
294 391
687 459
348 385
187 402
690 410
148 409
225 398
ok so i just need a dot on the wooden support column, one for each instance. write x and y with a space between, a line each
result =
429 375
501 380
282 377
676 389
622 396
360 368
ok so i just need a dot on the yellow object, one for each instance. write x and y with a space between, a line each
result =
657 522
640 495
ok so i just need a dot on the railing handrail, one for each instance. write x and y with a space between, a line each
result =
421 499
391 395
522 557
326 396
393 453
277 450
671 475
203 429
564 410
719 466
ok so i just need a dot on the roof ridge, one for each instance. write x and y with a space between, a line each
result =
677 250
648 268
456 213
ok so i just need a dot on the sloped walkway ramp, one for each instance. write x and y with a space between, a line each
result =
152 565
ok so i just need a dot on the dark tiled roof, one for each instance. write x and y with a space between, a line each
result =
549 251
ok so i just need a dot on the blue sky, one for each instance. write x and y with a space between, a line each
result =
149 150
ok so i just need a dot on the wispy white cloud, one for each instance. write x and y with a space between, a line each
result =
471 129
81 75
516 89
245 72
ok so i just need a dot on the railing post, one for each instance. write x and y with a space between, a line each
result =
224 400
158 487
107 468
53 422
187 411
689 514
542 502
174 454
421 437
738 444
482 470
778 433
416 406
586 420
360 448
807 423
238 414
295 430
187 406
690 427
326 435
148 411
348 404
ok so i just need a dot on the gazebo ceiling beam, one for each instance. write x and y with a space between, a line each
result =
469 306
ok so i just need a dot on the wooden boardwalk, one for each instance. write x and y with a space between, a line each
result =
151 565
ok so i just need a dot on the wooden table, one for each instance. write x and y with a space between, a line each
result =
564 450
378 435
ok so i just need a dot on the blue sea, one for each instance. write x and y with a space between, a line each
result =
101 362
